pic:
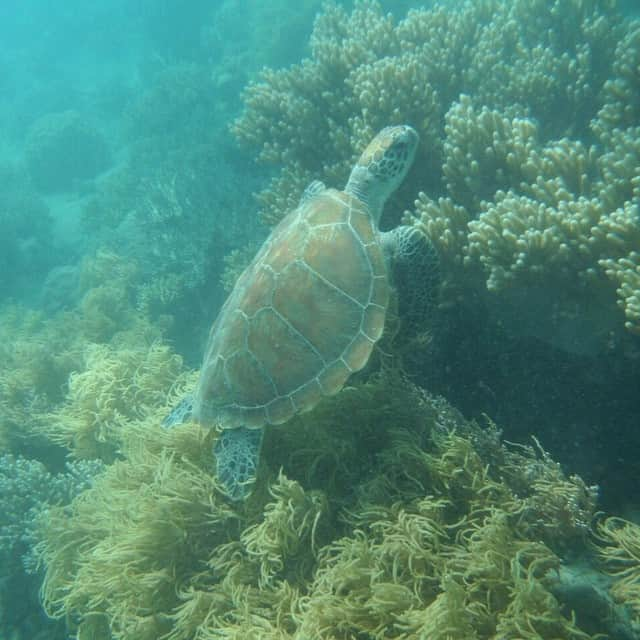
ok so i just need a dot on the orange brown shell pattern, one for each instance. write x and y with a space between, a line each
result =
301 319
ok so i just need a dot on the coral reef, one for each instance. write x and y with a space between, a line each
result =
625 272
41 352
433 528
384 513
63 149
115 385
177 104
241 47
27 491
164 503
68 383
26 250
177 205
175 221
38 355
562 217
528 120
619 548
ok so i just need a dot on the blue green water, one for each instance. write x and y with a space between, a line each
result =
117 139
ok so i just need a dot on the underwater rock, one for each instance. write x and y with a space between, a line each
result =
585 591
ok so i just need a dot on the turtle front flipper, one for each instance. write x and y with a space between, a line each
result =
415 271
314 188
181 413
237 453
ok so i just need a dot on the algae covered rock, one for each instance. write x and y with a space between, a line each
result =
63 149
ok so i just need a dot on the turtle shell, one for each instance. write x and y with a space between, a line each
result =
301 319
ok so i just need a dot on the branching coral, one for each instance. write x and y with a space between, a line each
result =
28 488
484 151
314 117
565 221
550 58
620 110
625 272
619 167
507 98
557 217
521 239
366 72
27 491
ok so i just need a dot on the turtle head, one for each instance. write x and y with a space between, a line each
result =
382 166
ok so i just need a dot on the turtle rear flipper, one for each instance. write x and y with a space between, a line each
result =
415 269
237 453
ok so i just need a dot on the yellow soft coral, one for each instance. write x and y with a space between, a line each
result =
114 387
288 528
132 538
619 548
428 535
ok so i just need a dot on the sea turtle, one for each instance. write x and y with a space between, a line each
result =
308 310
